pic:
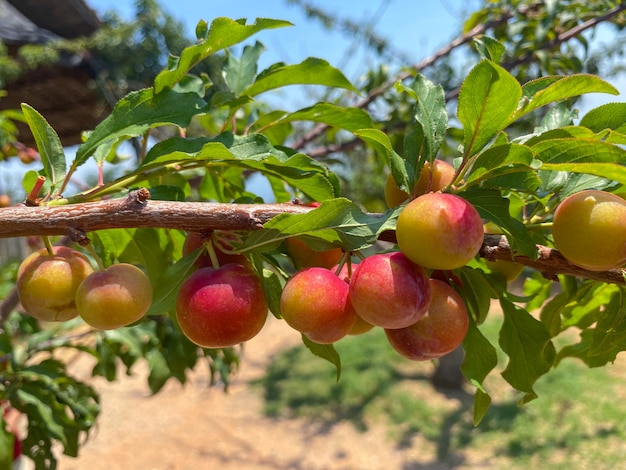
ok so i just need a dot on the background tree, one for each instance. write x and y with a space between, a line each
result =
219 132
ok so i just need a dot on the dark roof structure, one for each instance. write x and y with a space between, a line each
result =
65 93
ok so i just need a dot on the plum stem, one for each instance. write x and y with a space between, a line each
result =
95 256
211 251
48 245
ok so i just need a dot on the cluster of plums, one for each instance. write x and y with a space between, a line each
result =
62 284
423 316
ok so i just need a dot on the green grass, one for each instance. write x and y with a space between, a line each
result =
578 421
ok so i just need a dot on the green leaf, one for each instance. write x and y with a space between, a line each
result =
325 351
482 401
49 145
607 116
253 152
430 117
480 359
311 71
350 119
489 95
6 445
489 48
159 372
528 344
107 359
137 112
167 286
478 290
239 73
609 336
223 33
546 90
339 222
492 206
480 355
583 156
500 160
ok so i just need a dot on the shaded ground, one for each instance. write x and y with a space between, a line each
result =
197 427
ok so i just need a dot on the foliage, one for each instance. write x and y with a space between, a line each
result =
221 132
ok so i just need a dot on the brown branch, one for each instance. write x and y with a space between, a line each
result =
549 261
135 211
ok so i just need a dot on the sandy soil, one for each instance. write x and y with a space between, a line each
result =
196 427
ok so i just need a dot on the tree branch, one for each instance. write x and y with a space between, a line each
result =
135 211
549 261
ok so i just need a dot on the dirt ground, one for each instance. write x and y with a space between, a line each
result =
196 427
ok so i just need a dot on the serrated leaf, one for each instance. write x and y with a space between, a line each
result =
223 33
480 355
159 372
137 112
583 156
607 116
482 401
339 222
500 160
350 119
48 144
610 333
489 96
492 206
431 115
167 286
489 48
311 71
253 152
239 72
546 90
325 351
478 290
527 343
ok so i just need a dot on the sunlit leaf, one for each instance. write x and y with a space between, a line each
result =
223 33
488 97
312 71
527 343
49 145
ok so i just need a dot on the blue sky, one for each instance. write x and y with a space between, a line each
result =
417 29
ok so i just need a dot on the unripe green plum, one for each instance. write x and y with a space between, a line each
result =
589 229
442 176
194 240
47 284
315 302
389 291
439 231
113 298
439 332
219 308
